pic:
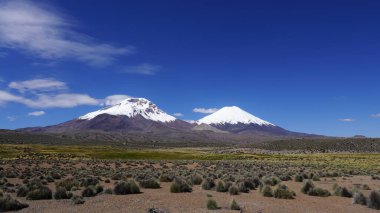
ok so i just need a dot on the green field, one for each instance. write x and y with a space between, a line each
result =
347 162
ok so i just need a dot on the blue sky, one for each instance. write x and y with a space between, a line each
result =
306 66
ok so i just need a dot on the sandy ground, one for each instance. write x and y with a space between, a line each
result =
252 202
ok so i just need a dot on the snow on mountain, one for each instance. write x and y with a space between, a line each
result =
132 107
233 115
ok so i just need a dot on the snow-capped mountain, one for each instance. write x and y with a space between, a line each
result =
233 115
133 107
140 118
130 115
235 120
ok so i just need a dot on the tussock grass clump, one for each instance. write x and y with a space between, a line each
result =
42 193
89 181
89 192
359 198
267 191
309 189
22 191
76 199
126 187
180 186
234 205
233 190
166 178
197 179
282 192
68 184
271 181
298 178
62 193
7 203
373 201
342 192
212 204
221 186
208 184
150 184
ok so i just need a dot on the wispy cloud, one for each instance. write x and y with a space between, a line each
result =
60 101
346 120
205 111
36 113
178 114
8 97
38 85
142 69
375 115
11 118
115 99
42 31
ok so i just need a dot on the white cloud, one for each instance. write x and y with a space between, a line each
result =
115 99
346 120
42 31
11 118
205 111
178 114
36 113
38 85
8 97
142 69
376 115
60 101
66 100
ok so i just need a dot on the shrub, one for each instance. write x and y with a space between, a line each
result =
234 205
342 192
267 191
150 184
166 178
373 201
298 178
42 193
233 190
307 186
62 193
366 187
89 181
271 181
212 204
180 186
7 203
282 192
359 198
316 178
76 199
89 192
242 187
208 184
108 191
124 188
68 184
22 191
221 186
196 179
155 210
319 192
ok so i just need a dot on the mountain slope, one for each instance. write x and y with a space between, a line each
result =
235 120
130 115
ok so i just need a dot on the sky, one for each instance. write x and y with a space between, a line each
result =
307 66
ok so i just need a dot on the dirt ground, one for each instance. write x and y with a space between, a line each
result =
195 202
